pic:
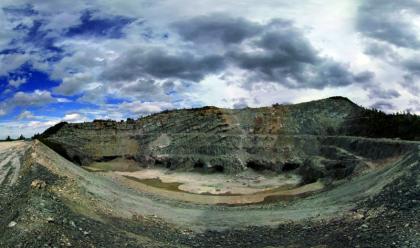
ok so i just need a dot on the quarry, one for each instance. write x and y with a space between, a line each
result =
314 174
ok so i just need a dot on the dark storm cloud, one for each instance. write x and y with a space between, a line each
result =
285 49
383 94
382 50
412 65
161 64
282 54
412 68
381 20
145 89
388 27
409 83
276 52
279 52
144 85
377 50
383 105
240 103
20 10
331 73
364 77
216 28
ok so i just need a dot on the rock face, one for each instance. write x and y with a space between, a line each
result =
301 137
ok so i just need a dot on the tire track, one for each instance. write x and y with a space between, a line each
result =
10 161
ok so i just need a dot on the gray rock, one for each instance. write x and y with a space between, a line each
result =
12 224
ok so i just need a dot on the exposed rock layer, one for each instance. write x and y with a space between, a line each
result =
302 137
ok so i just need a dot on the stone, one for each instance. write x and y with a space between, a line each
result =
358 216
12 224
38 184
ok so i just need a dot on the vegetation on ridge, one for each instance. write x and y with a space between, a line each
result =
374 123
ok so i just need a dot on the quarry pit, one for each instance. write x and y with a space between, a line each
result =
213 177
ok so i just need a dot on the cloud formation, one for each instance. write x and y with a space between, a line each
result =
383 105
282 54
216 28
390 21
38 97
22 99
160 64
111 59
392 36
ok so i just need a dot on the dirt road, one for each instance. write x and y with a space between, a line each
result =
11 154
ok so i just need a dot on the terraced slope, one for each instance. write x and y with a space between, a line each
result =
211 138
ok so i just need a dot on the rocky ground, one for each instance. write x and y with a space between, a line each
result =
50 205
390 219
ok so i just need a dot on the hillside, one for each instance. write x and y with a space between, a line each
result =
223 139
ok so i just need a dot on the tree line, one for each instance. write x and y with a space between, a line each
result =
8 138
377 124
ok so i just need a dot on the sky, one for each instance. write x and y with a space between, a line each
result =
81 60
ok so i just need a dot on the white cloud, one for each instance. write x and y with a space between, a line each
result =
27 99
26 115
74 84
17 82
26 128
62 100
40 124
74 118
29 124
11 62
38 97
144 108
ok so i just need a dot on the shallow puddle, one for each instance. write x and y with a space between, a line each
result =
157 183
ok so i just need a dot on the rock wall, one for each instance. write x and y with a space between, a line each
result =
278 138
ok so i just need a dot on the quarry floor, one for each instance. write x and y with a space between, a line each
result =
248 187
77 208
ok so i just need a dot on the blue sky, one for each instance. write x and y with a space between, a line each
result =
80 60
